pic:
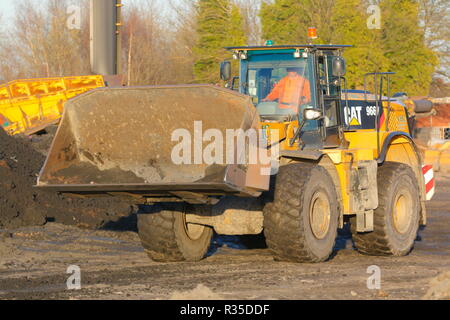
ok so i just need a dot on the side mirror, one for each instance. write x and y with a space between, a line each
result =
339 67
225 70
312 114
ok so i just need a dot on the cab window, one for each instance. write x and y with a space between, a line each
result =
282 89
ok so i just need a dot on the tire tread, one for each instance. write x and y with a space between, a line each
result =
378 242
282 217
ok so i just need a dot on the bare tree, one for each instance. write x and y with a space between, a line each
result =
3 64
183 18
66 50
40 43
146 44
157 47
435 17
252 24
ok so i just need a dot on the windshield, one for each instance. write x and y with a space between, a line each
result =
281 87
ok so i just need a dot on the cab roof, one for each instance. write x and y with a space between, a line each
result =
296 46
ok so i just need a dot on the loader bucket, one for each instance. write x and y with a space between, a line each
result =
120 142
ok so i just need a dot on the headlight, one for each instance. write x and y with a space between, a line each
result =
312 114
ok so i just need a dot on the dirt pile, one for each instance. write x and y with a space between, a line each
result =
22 205
201 292
439 288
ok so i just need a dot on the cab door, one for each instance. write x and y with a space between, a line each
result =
329 91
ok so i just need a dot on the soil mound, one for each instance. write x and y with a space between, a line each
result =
23 205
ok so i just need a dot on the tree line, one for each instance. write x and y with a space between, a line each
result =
173 42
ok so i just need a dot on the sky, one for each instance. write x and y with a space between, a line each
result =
7 6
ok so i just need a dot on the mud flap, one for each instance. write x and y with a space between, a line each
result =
364 221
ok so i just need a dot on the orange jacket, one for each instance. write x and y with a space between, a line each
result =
291 92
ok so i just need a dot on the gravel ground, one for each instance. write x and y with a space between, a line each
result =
34 261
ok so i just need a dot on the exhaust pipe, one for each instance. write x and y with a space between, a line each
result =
105 36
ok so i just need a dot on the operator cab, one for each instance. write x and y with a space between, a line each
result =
284 81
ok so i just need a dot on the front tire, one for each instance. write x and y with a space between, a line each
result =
396 220
167 237
301 223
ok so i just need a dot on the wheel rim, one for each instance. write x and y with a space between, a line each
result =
402 212
320 215
193 231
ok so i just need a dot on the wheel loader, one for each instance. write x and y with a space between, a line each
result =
336 156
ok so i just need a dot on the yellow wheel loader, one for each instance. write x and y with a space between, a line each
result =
284 149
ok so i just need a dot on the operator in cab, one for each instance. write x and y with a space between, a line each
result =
292 91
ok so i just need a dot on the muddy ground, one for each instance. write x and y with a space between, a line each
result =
34 261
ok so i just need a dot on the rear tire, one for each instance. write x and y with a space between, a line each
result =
396 220
301 223
167 237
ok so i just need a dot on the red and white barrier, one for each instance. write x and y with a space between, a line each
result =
428 175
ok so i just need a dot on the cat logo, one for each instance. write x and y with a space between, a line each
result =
353 116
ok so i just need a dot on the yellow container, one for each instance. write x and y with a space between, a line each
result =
29 106
432 158
444 162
